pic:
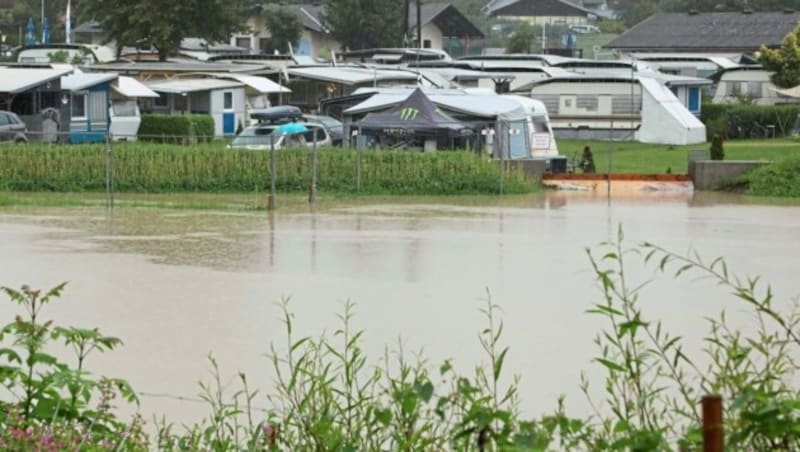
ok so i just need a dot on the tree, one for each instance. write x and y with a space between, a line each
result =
784 61
284 29
360 24
164 23
521 40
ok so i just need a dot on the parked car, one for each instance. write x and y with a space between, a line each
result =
583 29
334 127
261 137
12 128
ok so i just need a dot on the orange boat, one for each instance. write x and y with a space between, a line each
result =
619 182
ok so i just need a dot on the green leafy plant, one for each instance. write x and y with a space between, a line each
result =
717 150
49 398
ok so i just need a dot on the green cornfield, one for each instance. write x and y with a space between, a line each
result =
165 168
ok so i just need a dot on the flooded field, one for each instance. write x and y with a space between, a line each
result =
178 285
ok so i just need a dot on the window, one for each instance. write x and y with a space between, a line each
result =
4 119
227 101
161 101
264 45
426 43
124 108
79 105
243 42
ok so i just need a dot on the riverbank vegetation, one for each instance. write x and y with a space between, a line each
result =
328 395
164 168
780 179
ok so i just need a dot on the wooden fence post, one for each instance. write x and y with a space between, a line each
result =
713 430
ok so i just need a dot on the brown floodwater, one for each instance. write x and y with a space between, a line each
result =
178 285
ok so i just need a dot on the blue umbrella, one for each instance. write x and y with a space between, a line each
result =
45 32
291 128
30 33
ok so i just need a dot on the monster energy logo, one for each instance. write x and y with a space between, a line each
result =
408 114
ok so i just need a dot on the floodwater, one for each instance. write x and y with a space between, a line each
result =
178 285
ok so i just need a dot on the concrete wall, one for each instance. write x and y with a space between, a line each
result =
533 169
709 174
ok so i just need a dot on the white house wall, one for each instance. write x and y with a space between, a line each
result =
217 110
432 33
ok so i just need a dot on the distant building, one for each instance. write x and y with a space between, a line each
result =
708 33
439 21
538 12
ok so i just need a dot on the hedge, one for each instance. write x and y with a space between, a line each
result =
717 118
184 129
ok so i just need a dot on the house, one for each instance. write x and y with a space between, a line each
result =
540 12
714 34
35 95
89 106
625 106
315 40
442 21
89 32
747 83
223 100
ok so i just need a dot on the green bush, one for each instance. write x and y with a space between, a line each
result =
717 151
716 117
780 179
176 128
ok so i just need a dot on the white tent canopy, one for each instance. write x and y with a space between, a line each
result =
665 119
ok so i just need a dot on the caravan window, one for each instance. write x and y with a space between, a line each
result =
228 101
124 108
79 105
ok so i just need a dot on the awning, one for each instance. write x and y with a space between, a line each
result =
78 82
181 86
132 88
17 80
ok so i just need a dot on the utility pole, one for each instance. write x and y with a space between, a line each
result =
406 22
419 23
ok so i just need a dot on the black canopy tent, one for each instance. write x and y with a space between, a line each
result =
417 115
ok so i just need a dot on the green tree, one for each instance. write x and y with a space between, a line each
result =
522 39
284 28
784 61
359 24
164 23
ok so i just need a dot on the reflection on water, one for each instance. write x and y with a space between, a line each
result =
179 284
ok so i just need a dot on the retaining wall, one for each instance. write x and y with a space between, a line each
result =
709 174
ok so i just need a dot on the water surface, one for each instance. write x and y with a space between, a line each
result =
176 285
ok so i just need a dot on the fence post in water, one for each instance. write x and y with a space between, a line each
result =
271 197
312 191
360 150
713 432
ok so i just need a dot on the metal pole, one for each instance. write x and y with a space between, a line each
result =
109 173
271 198
406 26
713 429
503 160
608 172
312 191
419 23
360 150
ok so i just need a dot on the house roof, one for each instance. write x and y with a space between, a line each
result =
447 18
92 27
81 81
17 80
731 31
535 8
181 86
152 66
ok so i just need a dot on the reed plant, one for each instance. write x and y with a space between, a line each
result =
210 167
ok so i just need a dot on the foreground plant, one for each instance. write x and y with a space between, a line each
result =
55 405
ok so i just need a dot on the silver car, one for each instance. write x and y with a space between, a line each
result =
12 128
260 136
